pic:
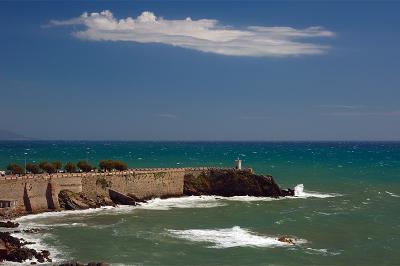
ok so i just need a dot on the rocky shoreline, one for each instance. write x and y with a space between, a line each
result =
224 183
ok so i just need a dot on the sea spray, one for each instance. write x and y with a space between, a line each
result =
230 237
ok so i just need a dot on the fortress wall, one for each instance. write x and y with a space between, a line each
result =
141 184
40 192
155 184
12 190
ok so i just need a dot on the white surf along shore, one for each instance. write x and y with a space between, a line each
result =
219 238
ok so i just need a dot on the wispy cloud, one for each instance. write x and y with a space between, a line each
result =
253 117
168 116
339 106
206 35
385 113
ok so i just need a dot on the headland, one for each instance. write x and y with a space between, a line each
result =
37 193
44 192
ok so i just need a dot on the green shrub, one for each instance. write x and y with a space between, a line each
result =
109 165
70 167
120 166
47 167
57 165
33 168
84 166
15 169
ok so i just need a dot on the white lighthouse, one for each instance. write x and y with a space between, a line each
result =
238 164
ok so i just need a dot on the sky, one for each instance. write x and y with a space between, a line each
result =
200 70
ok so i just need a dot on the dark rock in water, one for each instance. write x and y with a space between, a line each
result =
78 201
233 183
12 249
287 192
9 224
286 240
32 230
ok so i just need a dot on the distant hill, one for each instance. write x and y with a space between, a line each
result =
9 135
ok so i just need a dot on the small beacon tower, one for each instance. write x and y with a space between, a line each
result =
238 164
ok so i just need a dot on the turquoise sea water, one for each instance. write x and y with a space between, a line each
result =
348 213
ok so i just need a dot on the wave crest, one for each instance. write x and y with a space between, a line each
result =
230 237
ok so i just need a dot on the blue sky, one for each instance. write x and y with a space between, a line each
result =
333 72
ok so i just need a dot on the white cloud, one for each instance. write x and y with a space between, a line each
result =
384 113
206 35
340 106
253 117
169 116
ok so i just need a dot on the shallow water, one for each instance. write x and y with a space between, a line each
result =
348 213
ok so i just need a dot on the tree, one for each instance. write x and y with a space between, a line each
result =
57 165
106 165
84 166
15 169
120 166
70 167
33 168
47 167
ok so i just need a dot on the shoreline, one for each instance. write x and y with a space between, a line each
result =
93 192
154 204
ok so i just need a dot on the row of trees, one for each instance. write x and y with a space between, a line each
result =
69 167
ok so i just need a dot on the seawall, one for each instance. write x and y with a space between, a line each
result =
37 193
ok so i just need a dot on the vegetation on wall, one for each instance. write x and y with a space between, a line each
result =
159 174
101 181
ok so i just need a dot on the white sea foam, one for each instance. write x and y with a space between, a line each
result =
322 251
392 194
182 202
230 237
300 193
74 213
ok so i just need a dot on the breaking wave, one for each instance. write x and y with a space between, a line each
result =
392 194
230 237
182 202
300 193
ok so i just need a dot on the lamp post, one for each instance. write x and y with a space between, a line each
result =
25 153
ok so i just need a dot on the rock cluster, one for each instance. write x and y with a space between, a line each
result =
13 249
286 240
229 183
78 201
9 224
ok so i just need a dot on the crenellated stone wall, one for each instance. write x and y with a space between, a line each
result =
36 193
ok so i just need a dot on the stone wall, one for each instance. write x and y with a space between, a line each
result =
142 184
40 192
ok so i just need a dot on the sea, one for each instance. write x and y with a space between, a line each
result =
346 210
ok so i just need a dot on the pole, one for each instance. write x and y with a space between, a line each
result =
25 163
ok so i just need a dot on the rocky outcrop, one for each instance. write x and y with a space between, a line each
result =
69 200
233 183
9 224
13 249
285 239
120 198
